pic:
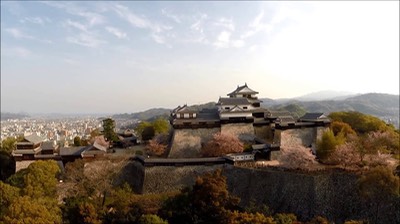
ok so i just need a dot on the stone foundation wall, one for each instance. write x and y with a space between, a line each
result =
187 143
303 136
244 131
332 193
264 132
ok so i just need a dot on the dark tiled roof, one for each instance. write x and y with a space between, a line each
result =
313 116
185 109
48 146
34 139
233 101
241 88
73 151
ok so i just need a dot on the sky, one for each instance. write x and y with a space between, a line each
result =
129 56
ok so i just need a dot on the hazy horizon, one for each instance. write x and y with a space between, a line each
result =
122 57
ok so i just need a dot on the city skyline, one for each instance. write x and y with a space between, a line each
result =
116 57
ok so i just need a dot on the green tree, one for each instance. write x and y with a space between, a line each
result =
41 180
8 194
109 130
318 220
237 217
179 209
8 145
151 219
7 163
77 141
378 187
161 126
141 126
208 201
147 130
148 133
26 209
283 218
88 214
37 202
211 198
360 122
340 127
327 144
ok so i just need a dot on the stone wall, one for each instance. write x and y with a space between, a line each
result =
244 131
187 143
302 136
264 132
161 179
332 194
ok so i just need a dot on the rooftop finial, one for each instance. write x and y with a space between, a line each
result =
245 84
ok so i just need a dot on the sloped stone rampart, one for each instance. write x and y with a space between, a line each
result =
264 132
332 194
244 131
187 143
169 178
303 136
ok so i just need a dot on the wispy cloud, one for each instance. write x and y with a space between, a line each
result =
18 34
76 25
133 19
36 20
256 26
92 18
142 22
116 32
197 29
86 39
168 14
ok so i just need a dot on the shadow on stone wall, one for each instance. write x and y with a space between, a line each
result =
332 194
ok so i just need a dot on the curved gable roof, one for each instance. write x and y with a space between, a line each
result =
242 90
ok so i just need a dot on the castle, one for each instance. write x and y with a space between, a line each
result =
241 114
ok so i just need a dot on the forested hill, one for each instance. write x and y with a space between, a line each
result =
145 115
384 106
153 113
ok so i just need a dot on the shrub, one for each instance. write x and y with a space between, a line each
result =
283 218
327 145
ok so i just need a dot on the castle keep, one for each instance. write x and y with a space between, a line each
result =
241 114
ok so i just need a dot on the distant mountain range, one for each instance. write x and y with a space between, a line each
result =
384 106
6 115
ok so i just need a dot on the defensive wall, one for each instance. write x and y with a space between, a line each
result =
187 142
332 194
